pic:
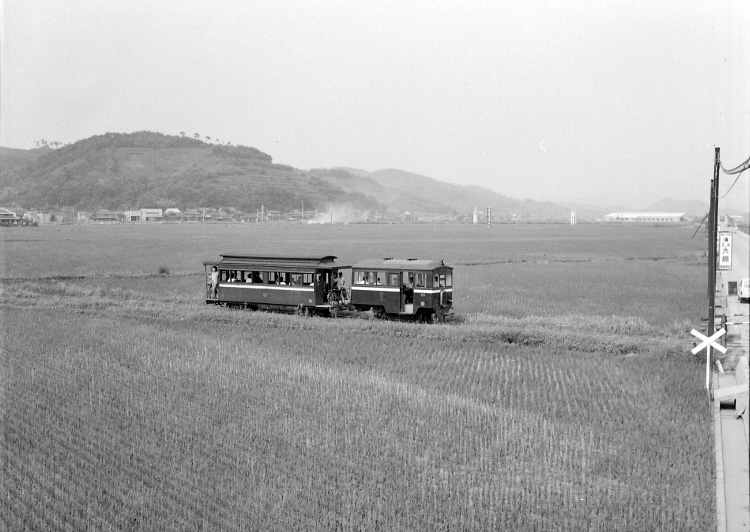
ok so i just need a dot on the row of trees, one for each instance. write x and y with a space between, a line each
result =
53 144
208 138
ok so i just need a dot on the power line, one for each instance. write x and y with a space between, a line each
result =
741 168
735 182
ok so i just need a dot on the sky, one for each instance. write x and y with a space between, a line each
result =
611 102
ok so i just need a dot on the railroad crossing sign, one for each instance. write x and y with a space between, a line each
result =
725 250
707 343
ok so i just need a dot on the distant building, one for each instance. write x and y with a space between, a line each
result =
8 217
730 221
646 217
103 217
144 215
49 217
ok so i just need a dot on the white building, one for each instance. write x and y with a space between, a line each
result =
144 215
646 217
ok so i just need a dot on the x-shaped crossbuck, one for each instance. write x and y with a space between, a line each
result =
706 344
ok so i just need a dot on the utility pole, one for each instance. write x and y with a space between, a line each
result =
713 222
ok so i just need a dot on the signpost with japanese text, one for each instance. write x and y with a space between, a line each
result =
725 250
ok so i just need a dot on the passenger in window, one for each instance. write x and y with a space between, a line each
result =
249 278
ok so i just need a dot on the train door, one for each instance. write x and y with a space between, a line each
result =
394 279
407 292
322 283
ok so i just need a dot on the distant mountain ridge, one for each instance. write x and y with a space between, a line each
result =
119 171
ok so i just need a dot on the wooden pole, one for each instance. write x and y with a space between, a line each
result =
712 241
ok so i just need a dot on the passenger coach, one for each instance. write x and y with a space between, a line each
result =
405 288
274 282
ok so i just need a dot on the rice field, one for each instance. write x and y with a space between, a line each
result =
130 405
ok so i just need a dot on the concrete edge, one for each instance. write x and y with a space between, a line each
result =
721 503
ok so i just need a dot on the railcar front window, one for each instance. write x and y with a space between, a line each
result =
421 280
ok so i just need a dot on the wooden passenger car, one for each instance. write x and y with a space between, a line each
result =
274 282
421 289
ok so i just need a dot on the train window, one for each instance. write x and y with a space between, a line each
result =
307 279
408 278
278 278
379 277
448 279
297 279
441 280
393 279
421 280
362 278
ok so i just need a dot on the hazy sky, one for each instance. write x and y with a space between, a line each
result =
613 102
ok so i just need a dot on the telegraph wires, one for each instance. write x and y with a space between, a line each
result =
738 170
741 168
735 182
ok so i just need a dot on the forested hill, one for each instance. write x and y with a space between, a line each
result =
120 171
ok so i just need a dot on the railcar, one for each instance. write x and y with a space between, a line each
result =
403 288
303 284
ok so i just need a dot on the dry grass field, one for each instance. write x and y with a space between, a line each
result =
564 398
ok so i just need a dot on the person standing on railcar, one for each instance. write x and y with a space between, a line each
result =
409 290
214 283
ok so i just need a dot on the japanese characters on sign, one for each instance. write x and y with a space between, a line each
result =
725 250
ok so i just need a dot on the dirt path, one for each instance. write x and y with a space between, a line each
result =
732 457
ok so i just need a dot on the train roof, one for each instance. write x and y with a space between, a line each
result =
401 264
234 260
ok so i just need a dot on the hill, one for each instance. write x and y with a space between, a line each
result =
359 181
463 198
145 169
120 171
